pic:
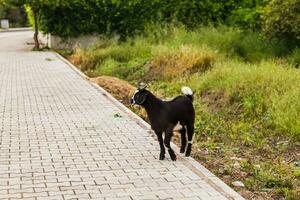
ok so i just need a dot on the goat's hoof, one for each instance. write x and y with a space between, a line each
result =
187 154
161 157
173 158
172 155
182 150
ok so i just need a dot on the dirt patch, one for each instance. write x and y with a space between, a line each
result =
215 101
218 102
121 90
118 88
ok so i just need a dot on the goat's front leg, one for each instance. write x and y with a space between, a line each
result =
168 137
161 144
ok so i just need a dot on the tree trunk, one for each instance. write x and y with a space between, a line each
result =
36 30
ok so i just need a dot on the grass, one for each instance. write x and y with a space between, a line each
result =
247 96
169 63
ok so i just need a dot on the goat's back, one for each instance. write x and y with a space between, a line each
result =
181 109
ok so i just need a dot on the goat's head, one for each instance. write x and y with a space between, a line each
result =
140 95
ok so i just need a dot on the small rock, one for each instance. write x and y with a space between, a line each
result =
206 151
226 177
49 59
266 190
257 166
285 143
236 158
297 163
117 115
221 171
243 174
236 165
238 184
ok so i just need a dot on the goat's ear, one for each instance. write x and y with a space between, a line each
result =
142 86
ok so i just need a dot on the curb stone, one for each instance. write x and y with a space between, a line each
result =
15 30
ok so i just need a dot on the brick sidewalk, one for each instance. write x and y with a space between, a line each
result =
63 138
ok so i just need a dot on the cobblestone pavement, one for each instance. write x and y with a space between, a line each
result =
64 138
16 41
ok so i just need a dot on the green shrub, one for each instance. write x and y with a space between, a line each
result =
282 20
15 15
129 17
248 14
294 58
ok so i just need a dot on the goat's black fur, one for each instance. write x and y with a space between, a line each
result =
165 115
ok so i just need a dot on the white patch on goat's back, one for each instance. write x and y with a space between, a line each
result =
186 90
169 99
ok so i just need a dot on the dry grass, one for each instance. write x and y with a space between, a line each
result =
187 60
121 90
78 58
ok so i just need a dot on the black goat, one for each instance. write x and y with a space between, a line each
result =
165 115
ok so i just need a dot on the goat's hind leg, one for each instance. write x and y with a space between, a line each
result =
168 137
190 133
182 131
161 144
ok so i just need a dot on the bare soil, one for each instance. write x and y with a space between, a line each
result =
118 88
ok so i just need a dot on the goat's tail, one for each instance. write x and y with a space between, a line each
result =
187 92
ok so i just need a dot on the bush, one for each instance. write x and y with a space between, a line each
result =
281 19
129 17
193 13
294 58
248 14
15 15
74 18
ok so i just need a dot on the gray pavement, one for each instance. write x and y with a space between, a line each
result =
62 137
16 41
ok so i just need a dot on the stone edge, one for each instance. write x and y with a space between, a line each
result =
189 162
15 30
